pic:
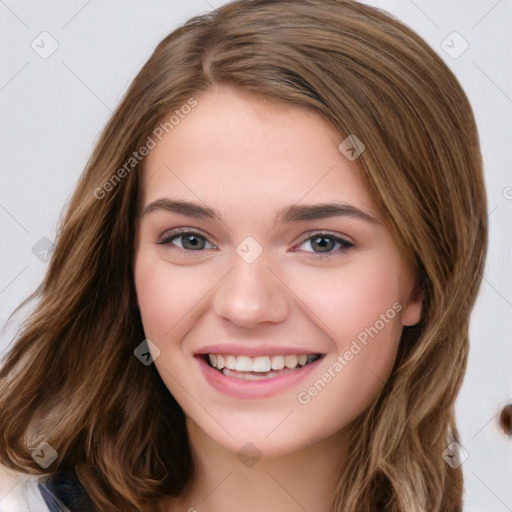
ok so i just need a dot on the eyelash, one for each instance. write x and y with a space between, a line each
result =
345 245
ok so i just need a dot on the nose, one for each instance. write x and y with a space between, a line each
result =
250 294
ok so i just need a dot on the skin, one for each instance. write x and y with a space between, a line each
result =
248 157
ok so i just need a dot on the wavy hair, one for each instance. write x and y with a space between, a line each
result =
71 378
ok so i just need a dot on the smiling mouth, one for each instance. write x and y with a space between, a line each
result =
258 368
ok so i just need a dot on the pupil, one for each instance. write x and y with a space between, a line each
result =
323 243
194 242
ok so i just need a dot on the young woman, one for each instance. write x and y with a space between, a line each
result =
260 294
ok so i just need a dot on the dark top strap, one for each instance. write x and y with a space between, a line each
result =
63 492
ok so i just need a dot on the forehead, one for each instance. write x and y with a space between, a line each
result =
248 150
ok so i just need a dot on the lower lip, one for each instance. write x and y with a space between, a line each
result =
239 388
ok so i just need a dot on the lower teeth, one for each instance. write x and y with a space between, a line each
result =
256 375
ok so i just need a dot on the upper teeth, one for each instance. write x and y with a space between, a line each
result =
260 363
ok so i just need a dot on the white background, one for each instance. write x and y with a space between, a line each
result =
53 109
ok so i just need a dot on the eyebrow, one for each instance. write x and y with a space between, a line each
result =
288 214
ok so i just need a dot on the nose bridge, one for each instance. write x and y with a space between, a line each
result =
250 293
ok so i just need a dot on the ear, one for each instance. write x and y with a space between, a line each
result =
413 307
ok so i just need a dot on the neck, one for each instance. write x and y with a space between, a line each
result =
226 482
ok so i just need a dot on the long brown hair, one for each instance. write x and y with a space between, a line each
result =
72 380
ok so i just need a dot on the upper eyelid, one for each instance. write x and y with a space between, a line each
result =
172 234
182 231
327 234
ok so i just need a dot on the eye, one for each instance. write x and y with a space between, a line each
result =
326 245
187 241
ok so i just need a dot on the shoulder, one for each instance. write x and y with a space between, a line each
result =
20 493
56 492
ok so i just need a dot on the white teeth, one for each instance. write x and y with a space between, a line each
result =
290 361
261 364
244 364
277 362
230 362
249 375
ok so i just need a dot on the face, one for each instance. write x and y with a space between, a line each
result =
265 276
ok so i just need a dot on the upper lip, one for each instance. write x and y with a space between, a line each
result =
255 350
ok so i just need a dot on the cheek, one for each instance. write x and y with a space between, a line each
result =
163 296
373 303
361 312
353 297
